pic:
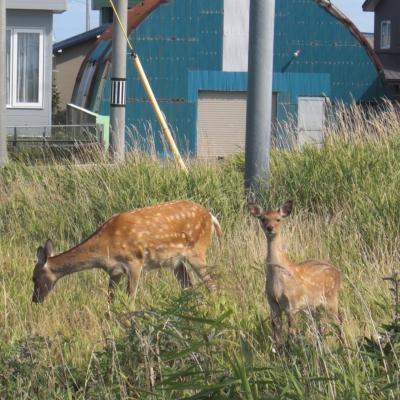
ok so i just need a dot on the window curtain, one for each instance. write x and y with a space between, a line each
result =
28 67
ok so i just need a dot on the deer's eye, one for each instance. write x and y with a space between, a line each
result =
278 220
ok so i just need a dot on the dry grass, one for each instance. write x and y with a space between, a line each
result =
347 211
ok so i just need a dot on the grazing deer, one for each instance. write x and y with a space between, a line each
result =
166 235
292 287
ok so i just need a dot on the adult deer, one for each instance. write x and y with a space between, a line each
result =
166 235
292 287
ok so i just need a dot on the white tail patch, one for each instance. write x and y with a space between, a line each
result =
216 227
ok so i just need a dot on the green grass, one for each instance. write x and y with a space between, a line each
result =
193 344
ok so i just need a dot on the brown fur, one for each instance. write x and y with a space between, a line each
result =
292 287
166 235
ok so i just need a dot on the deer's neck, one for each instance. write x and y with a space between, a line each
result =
276 254
77 259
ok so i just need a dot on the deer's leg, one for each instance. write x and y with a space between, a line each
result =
112 285
332 308
134 272
182 275
291 322
316 316
276 321
199 266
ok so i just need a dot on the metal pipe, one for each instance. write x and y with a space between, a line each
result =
118 82
259 94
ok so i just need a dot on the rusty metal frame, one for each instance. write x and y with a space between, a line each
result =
329 7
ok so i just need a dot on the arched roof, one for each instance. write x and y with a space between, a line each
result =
328 6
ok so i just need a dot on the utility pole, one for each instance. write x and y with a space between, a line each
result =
87 15
259 94
118 82
3 125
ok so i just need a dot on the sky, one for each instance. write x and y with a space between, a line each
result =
73 21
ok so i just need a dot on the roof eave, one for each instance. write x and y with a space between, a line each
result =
370 5
80 38
55 6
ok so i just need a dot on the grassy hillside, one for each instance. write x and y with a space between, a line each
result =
182 344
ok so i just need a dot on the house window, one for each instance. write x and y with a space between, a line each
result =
24 68
385 34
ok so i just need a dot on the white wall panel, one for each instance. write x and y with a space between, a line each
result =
236 35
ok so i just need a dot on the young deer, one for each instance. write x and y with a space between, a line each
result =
166 235
292 287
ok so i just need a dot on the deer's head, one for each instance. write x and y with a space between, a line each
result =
270 220
43 278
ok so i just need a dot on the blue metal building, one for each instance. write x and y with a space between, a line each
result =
195 55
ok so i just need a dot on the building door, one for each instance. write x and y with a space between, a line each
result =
311 119
221 123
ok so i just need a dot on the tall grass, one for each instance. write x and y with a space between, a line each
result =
193 344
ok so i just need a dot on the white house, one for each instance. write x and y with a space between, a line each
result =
29 60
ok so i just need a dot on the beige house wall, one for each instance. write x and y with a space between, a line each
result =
66 68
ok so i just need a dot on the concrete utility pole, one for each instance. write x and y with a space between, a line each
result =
118 82
87 15
259 94
3 124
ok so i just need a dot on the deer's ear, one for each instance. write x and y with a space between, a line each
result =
41 255
48 248
255 210
286 209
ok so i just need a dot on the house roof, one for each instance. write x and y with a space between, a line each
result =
57 6
353 29
78 39
104 32
370 5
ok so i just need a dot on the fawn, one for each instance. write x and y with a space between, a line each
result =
292 287
166 235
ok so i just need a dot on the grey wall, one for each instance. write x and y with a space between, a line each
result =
67 65
42 20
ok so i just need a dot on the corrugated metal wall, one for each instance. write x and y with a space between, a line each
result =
180 45
179 36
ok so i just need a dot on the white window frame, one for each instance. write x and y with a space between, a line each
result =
13 68
386 27
8 104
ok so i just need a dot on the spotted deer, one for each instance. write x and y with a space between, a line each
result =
292 287
172 234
